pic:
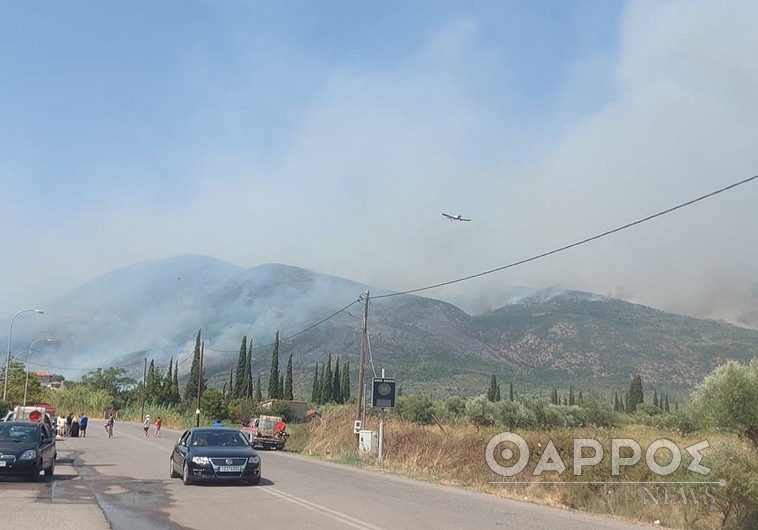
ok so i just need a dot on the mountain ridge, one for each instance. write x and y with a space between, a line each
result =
545 338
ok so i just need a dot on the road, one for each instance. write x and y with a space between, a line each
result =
123 483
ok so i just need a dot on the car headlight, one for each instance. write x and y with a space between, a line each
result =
254 460
201 460
31 454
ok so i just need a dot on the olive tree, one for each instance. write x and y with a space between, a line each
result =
728 399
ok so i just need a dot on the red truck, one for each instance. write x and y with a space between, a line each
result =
266 432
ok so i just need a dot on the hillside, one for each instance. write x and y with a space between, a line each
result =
551 338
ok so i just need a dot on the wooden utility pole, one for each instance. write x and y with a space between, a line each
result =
362 365
199 384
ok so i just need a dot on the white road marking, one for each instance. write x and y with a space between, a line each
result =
338 516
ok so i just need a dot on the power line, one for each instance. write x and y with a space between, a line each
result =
472 276
576 244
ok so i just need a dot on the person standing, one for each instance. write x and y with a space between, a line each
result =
75 427
146 426
83 425
109 425
61 426
69 419
158 425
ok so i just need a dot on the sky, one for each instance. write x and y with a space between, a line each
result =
332 135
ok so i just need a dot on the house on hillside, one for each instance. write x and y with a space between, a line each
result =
46 379
299 408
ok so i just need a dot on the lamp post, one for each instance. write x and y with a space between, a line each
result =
28 359
8 358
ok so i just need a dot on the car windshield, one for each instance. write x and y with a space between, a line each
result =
215 438
18 433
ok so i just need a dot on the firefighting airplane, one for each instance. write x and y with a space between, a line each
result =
458 217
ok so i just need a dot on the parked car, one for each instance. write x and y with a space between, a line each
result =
27 448
214 454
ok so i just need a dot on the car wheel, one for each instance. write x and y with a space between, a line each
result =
254 481
34 477
50 470
173 472
186 477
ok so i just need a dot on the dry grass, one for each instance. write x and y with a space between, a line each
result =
454 455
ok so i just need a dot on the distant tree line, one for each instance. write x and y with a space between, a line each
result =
331 385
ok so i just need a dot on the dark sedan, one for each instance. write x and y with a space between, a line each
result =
26 449
215 454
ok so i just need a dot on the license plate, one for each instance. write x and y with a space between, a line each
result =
3 463
230 469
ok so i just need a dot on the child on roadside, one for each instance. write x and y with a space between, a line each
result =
158 425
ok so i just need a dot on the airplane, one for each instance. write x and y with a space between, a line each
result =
458 217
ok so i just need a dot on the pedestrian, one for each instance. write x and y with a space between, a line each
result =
75 427
69 419
158 425
61 426
83 425
218 423
109 425
146 426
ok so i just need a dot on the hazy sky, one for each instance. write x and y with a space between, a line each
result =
331 135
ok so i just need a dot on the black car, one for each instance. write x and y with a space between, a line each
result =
215 454
26 449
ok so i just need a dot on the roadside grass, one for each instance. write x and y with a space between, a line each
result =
455 455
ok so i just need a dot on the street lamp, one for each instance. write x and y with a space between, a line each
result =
29 358
8 358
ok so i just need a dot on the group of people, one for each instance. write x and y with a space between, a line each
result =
158 425
72 426
76 426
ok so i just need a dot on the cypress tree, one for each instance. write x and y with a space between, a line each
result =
315 394
493 388
635 394
345 383
666 404
322 377
273 375
239 381
510 391
176 396
622 406
280 387
328 382
288 394
497 393
616 402
230 386
166 383
191 389
580 399
655 398
248 379
336 381
571 396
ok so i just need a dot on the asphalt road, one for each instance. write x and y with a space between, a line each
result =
123 483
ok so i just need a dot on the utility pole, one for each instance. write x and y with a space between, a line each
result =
199 384
362 365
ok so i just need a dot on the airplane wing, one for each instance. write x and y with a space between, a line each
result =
448 216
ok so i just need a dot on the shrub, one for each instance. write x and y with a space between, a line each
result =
417 408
